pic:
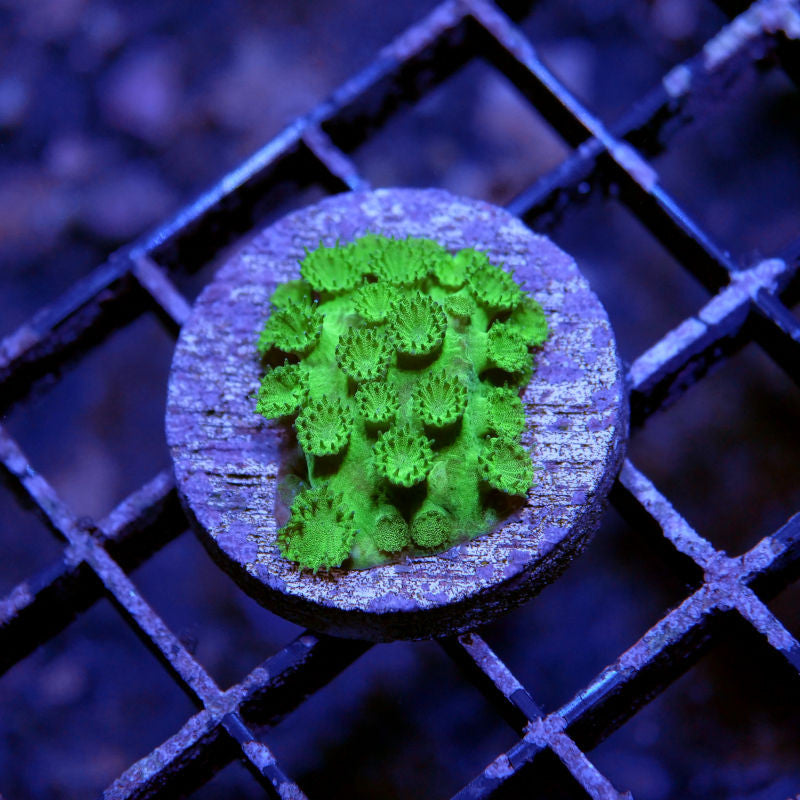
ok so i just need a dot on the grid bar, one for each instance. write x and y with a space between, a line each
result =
341 168
153 279
261 761
664 372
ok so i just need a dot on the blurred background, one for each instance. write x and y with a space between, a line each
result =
113 114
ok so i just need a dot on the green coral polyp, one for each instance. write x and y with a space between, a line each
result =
329 270
391 534
363 354
294 328
401 263
409 357
460 305
504 412
418 326
377 403
374 302
403 457
321 530
431 527
505 465
323 427
507 349
283 390
299 292
529 321
493 287
439 400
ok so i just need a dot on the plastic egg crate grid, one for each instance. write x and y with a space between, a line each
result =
746 305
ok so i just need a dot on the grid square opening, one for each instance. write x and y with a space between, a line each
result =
83 707
606 600
98 433
226 630
545 777
736 173
724 454
234 782
26 545
786 606
609 55
400 722
474 135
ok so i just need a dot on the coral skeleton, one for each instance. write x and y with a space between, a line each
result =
403 368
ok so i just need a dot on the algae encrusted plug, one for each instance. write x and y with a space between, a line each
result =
400 367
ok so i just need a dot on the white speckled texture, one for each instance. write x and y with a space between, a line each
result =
227 457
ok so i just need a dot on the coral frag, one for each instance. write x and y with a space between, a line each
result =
400 366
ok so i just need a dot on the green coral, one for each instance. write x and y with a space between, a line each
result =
391 533
321 530
403 457
323 427
329 271
418 326
439 400
293 328
460 305
507 349
409 357
493 287
374 302
450 272
283 390
506 466
401 264
529 320
431 527
298 292
363 354
504 412
377 403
